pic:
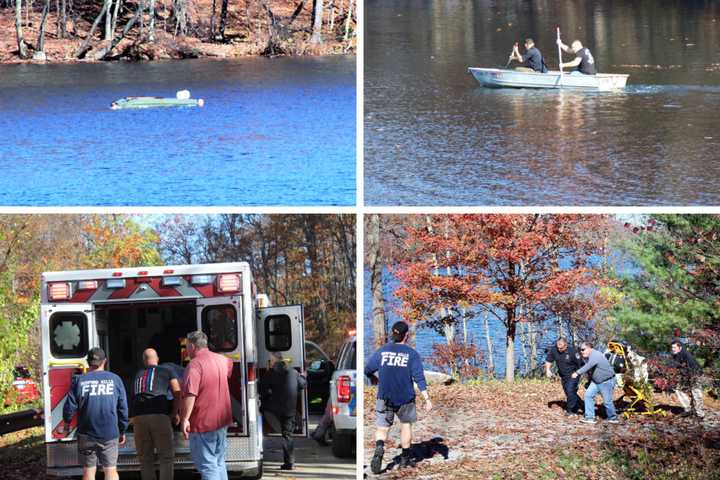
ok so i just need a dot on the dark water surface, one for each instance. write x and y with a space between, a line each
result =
434 136
272 132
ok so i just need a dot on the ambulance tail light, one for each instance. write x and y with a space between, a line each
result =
227 283
343 389
352 333
252 373
59 291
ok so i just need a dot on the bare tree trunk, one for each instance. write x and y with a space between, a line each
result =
223 18
151 27
510 344
212 22
331 20
180 12
22 48
41 33
317 22
108 20
374 260
86 43
347 21
116 10
488 339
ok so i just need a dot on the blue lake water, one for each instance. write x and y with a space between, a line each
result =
272 132
546 333
435 136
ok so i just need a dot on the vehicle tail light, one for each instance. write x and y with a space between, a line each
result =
343 389
117 274
251 375
228 283
59 291
352 333
87 285
335 410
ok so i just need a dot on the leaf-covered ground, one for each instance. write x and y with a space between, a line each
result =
498 431
22 454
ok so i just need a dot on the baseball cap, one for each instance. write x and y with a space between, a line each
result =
400 328
96 356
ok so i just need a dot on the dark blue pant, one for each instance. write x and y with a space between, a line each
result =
570 385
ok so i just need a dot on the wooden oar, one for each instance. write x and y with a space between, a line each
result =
560 55
511 55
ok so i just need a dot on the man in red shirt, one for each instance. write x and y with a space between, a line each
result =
206 410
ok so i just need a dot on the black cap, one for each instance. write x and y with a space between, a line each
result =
96 356
399 329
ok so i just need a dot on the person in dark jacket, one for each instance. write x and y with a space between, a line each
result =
567 361
397 366
602 381
150 409
690 372
98 397
532 58
279 390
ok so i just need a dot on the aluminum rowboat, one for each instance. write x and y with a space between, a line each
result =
501 78
152 102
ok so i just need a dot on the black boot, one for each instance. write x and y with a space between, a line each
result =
376 462
406 459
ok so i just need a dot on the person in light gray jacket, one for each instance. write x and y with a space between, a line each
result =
602 380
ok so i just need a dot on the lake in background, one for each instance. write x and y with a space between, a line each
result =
434 136
547 333
272 132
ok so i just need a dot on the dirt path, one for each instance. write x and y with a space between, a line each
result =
478 428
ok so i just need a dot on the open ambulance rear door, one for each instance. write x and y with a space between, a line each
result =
282 329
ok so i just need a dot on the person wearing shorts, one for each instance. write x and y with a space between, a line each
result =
397 366
99 400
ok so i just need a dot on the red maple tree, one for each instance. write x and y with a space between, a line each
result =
518 268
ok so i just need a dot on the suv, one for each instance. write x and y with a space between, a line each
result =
344 400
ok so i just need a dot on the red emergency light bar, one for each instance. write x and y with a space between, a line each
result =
117 274
59 291
228 282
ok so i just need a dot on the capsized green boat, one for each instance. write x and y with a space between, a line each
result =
182 99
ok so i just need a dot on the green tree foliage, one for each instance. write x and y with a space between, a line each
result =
674 287
32 244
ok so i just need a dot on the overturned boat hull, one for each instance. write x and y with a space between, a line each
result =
155 102
501 78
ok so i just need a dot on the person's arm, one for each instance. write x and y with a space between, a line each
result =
188 403
301 382
573 63
122 408
70 407
190 388
175 389
564 47
548 363
418 374
592 361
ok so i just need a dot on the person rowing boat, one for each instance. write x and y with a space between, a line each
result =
583 63
533 58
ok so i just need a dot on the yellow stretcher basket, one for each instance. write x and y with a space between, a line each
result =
639 397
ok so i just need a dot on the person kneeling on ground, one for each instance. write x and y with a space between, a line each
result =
602 380
533 58
584 60
279 391
690 372
397 366
567 360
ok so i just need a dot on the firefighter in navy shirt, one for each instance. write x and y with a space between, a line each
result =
397 366
98 397
584 62
567 360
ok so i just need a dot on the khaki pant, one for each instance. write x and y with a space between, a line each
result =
689 404
154 432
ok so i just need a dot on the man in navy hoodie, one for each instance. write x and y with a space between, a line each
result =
100 401
397 366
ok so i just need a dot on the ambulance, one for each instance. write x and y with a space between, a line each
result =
126 310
